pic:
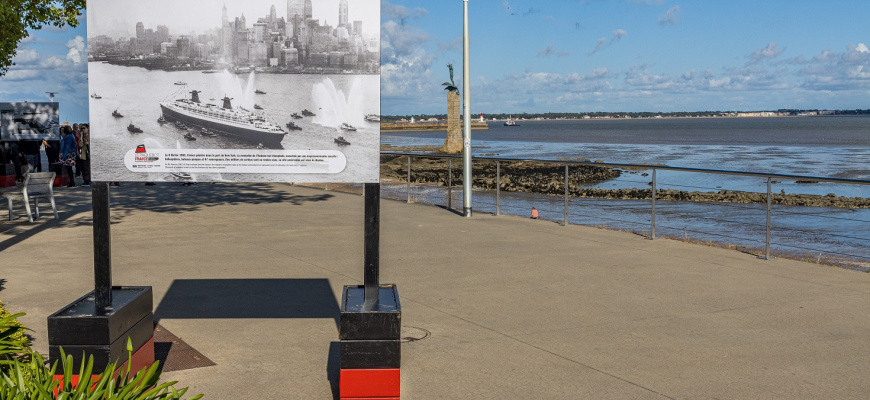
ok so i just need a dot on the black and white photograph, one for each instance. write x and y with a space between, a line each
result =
29 121
237 91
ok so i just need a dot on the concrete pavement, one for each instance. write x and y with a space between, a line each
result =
251 275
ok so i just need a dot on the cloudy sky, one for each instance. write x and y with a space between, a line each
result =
571 55
629 55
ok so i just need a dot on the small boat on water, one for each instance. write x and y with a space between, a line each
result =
348 127
307 113
260 146
116 114
206 132
133 128
181 175
189 137
161 120
373 118
511 122
293 127
257 107
297 116
180 125
180 83
258 91
96 96
341 141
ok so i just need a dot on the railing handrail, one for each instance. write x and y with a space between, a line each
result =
645 166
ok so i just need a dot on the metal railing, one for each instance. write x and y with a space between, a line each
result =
769 177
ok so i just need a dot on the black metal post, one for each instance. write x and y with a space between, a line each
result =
372 244
102 248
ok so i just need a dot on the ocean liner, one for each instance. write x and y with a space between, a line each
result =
236 122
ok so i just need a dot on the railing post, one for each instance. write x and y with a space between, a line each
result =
497 187
565 223
409 181
449 183
653 216
767 230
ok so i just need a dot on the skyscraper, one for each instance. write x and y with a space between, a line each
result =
342 14
295 7
141 39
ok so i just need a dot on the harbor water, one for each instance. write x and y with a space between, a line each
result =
830 146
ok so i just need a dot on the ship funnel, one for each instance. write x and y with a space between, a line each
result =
194 96
227 104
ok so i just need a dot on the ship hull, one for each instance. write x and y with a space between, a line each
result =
268 139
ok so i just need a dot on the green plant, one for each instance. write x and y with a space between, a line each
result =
30 379
14 344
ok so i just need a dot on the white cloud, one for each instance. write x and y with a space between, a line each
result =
670 17
76 45
771 51
25 56
547 51
862 48
603 43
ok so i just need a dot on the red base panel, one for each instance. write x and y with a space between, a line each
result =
142 358
369 383
7 180
61 180
370 398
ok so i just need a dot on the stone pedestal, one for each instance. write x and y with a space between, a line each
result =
453 143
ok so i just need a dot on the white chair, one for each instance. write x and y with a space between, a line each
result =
37 185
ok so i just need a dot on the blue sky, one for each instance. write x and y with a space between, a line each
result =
572 56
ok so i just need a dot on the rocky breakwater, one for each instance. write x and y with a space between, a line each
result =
726 196
531 177
549 179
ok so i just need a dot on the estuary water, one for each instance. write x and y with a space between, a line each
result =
828 146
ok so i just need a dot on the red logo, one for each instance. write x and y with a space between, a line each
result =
140 148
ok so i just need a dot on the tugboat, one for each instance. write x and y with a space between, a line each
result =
133 129
341 141
257 107
116 114
96 96
188 136
226 120
180 83
293 127
373 118
206 132
180 125
307 113
347 127
161 120
297 116
258 91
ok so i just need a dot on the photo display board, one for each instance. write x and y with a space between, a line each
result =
234 91
29 121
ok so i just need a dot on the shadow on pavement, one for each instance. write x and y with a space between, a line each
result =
248 298
163 197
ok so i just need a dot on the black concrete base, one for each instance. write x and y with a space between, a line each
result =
364 354
382 323
79 328
116 352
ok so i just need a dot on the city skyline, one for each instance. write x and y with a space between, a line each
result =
209 16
